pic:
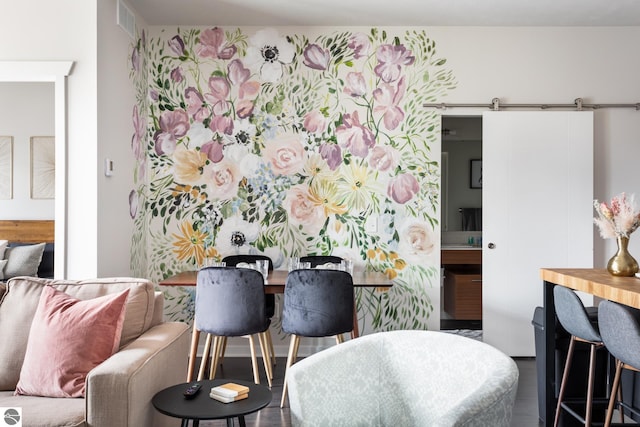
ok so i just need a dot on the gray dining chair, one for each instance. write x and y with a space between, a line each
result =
230 303
269 299
317 303
575 320
620 330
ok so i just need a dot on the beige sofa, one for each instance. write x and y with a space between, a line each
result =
152 355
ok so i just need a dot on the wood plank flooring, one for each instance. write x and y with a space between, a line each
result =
525 411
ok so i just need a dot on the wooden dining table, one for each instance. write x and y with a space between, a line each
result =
597 282
275 284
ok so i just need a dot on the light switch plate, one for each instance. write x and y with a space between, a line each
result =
371 225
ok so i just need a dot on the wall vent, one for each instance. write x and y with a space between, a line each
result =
126 19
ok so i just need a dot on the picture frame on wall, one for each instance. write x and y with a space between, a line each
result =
475 173
6 167
43 167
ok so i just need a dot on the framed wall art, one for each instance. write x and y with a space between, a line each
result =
43 167
475 173
6 167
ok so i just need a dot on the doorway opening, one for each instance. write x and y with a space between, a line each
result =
461 224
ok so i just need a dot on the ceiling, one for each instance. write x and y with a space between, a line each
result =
389 13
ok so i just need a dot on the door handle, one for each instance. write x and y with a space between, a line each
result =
491 245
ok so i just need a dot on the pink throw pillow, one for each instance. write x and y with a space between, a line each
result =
68 338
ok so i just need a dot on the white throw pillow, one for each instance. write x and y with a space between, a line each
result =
3 247
23 260
3 262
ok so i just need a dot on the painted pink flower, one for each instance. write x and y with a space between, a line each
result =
213 45
177 45
360 44
316 57
402 188
173 125
383 158
139 128
196 107
223 179
218 94
213 150
222 124
247 89
387 98
416 241
332 154
390 61
176 75
315 122
244 108
303 211
352 135
286 154
355 85
238 73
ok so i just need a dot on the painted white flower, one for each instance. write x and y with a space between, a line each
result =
357 185
235 236
244 133
248 164
268 51
199 135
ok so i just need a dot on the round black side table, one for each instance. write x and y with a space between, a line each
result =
171 402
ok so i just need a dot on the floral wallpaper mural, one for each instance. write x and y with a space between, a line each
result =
285 144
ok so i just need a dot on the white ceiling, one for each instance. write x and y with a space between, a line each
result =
390 13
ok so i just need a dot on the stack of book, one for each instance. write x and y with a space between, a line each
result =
229 392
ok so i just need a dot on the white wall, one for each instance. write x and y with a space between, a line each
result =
557 65
65 30
115 129
26 110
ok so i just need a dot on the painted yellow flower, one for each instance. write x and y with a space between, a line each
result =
189 244
324 193
189 165
391 273
356 185
316 167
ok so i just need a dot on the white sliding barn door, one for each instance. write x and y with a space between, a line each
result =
537 212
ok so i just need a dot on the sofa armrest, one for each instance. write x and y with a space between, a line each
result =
119 391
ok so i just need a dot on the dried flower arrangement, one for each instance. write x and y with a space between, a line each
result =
619 218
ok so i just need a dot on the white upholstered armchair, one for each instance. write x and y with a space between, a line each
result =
408 378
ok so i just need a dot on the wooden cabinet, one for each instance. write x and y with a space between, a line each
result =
463 294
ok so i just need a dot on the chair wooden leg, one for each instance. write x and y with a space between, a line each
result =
205 357
614 389
293 352
223 349
254 360
193 352
266 360
565 375
339 339
271 350
215 355
592 371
